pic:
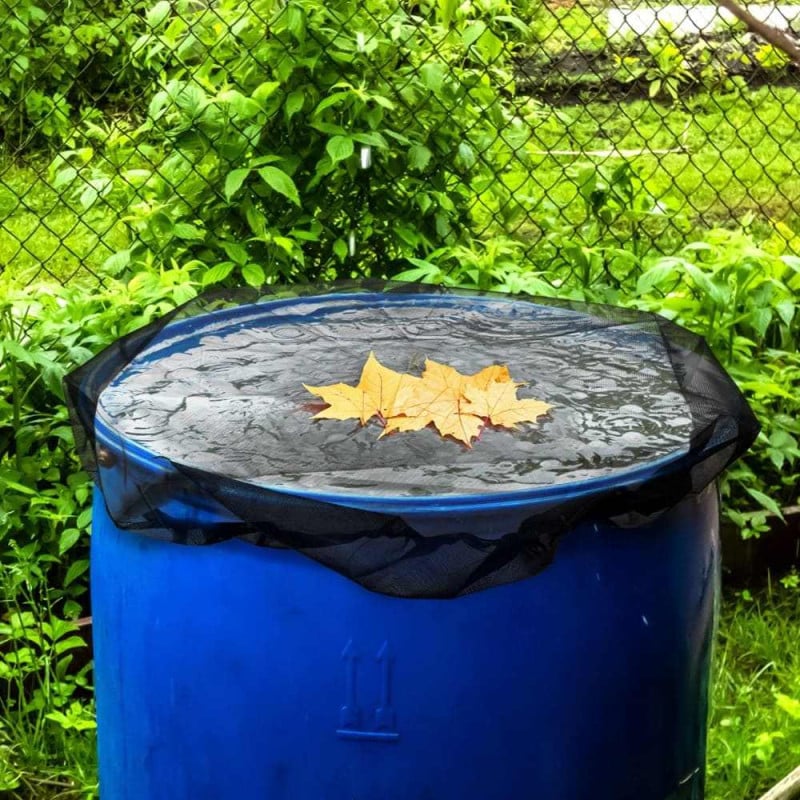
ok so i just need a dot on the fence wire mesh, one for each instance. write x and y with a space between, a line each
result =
274 138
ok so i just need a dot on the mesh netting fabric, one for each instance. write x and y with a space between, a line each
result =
197 429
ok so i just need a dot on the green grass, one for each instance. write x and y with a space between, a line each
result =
753 741
41 229
731 154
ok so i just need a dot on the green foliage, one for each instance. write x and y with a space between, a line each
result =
743 300
58 60
252 160
664 64
47 712
754 737
45 331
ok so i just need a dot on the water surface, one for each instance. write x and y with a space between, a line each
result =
229 397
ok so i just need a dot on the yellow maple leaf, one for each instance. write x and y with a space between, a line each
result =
447 377
344 402
440 405
380 391
495 373
499 403
456 405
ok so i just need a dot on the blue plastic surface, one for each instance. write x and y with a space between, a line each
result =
232 672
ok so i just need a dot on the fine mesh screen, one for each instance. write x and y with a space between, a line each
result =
229 398
207 407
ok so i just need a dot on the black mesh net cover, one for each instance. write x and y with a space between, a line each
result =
198 429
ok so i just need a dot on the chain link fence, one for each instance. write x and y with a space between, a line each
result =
277 138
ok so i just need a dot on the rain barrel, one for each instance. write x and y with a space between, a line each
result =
282 672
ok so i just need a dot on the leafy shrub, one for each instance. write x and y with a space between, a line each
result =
744 301
59 60
663 65
252 160
46 330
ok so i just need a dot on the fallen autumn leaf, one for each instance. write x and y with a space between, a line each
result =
457 405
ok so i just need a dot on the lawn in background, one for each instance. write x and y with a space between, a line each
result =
721 155
41 230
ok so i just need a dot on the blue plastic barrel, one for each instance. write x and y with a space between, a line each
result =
244 673
236 672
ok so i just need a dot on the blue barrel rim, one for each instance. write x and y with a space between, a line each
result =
182 329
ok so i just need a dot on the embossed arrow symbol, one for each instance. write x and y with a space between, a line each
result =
384 713
349 715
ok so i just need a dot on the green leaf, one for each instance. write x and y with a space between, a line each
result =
786 310
408 233
257 221
372 138
236 252
331 100
234 181
264 91
330 128
777 457
295 21
158 13
183 293
473 32
662 269
419 157
262 160
240 106
69 643
490 46
64 176
433 76
187 231
446 11
280 182
76 569
760 319
339 148
285 244
14 349
217 273
765 501
340 249
514 22
294 103
429 273
117 262
67 539
253 275
466 154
